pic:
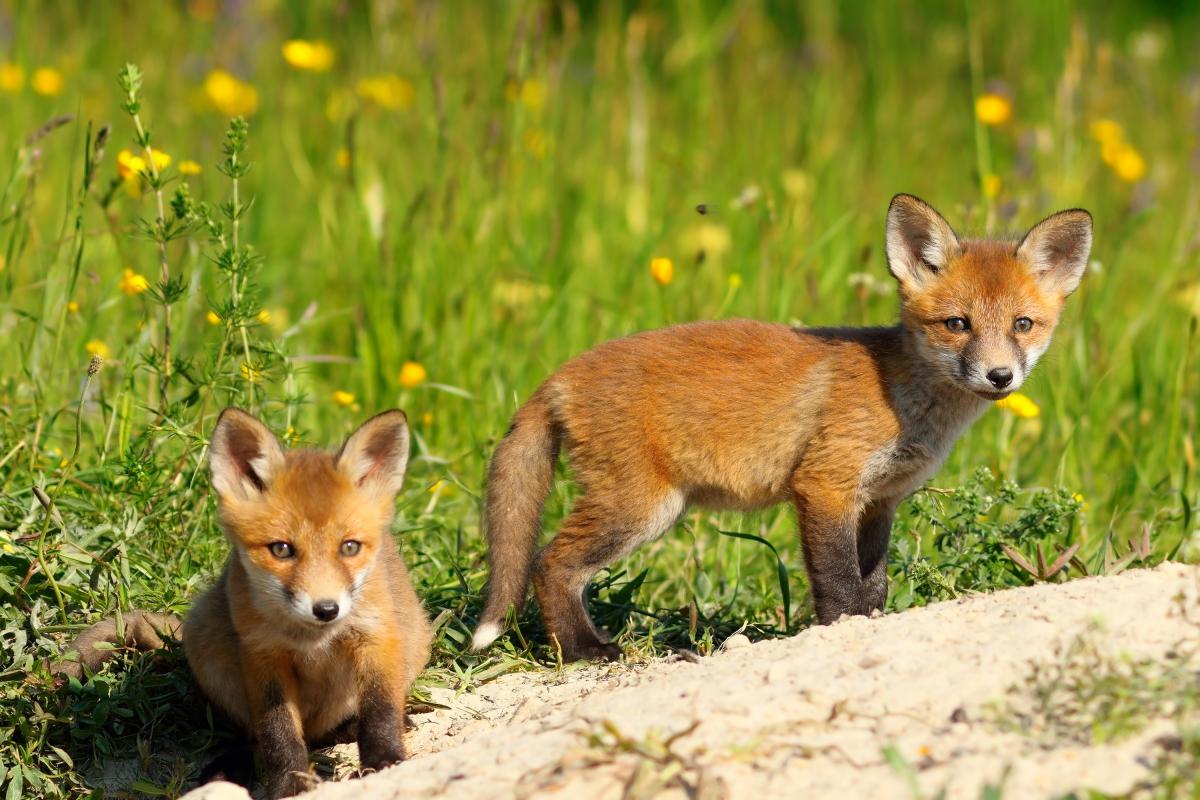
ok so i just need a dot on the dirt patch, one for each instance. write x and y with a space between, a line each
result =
880 708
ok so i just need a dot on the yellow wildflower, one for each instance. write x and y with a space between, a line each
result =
662 270
1110 150
230 95
1129 164
12 77
412 374
343 158
343 398
133 282
213 318
161 160
711 237
992 185
250 373
189 167
993 109
73 306
387 91
796 183
530 93
263 316
1125 160
1106 130
47 81
130 165
1020 405
427 418
1188 298
533 94
314 56
735 280
97 348
277 318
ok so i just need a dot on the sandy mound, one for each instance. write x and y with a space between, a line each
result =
811 716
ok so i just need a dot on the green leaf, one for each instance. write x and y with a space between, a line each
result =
780 569
16 784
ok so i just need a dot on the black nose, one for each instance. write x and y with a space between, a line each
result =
1000 377
325 610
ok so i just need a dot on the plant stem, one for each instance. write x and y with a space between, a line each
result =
164 270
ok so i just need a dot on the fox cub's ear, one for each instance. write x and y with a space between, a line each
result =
1057 250
375 455
920 243
243 456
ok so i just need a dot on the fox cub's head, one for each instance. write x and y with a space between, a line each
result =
307 525
981 312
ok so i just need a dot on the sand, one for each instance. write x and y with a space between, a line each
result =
815 715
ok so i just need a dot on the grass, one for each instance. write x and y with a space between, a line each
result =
477 192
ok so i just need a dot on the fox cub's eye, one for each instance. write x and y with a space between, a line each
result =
1023 325
958 324
351 547
281 549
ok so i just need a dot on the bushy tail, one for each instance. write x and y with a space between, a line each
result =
518 482
143 631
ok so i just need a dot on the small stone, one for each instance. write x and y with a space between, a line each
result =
870 661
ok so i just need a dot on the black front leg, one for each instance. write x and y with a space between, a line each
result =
828 534
380 725
284 754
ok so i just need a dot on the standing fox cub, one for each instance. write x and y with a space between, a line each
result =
843 422
313 633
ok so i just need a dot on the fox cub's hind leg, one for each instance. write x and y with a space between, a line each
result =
595 534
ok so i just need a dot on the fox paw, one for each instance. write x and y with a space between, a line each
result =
593 652
378 755
290 784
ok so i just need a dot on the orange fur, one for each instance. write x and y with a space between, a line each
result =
262 642
845 423
262 654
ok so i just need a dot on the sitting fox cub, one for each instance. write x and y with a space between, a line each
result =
843 422
313 633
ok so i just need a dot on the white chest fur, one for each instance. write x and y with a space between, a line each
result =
932 419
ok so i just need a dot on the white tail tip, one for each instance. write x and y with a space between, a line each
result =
485 634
